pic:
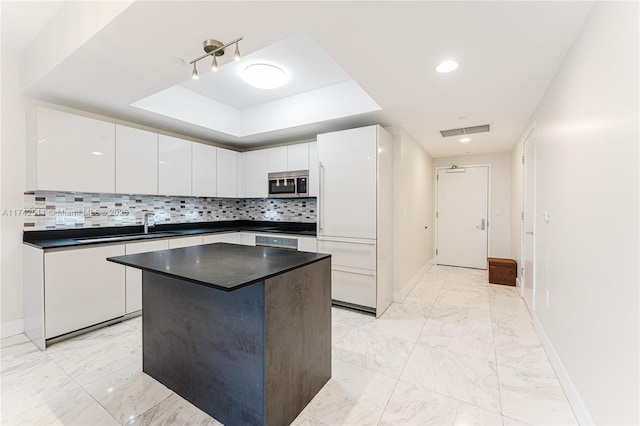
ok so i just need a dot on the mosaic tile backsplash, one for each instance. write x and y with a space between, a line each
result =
62 210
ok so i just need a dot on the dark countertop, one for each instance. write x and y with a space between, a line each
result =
60 238
220 265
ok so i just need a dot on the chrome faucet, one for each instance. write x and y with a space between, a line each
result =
146 222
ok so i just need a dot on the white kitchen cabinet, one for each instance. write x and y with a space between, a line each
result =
68 152
255 174
307 244
347 201
313 169
226 237
298 157
185 242
174 166
277 159
136 161
227 173
133 281
81 288
355 220
204 170
248 238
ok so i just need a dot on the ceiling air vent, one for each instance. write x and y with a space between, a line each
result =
466 130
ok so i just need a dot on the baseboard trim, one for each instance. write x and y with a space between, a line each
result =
11 328
576 402
399 296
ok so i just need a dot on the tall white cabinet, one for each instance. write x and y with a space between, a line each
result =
204 174
355 225
227 173
174 166
136 161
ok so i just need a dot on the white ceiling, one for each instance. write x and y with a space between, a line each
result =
508 53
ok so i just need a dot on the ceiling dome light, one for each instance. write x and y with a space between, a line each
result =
465 140
264 76
447 66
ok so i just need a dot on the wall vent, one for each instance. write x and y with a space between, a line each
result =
466 130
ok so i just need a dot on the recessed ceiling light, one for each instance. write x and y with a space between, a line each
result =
178 61
264 76
465 140
447 66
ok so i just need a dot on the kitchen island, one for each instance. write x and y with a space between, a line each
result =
243 333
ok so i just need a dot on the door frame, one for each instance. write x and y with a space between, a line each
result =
532 131
435 213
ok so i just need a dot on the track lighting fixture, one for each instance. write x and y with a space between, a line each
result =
215 48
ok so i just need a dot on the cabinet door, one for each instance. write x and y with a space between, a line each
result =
227 237
354 286
277 159
347 198
174 166
248 238
298 157
227 173
82 288
185 242
74 153
361 254
255 174
204 175
133 282
136 161
307 244
313 169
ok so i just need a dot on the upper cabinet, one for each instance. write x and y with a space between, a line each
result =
313 169
255 174
136 161
174 166
67 152
298 157
204 173
277 159
227 173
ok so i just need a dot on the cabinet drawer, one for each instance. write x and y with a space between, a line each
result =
352 254
354 287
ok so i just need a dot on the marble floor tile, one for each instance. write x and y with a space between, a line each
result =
469 298
306 420
530 398
72 408
469 379
465 340
506 421
427 294
353 396
471 415
395 324
17 351
88 363
31 384
338 331
379 352
174 411
524 354
461 315
128 392
410 307
347 316
414 405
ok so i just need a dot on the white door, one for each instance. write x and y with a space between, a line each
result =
528 285
462 227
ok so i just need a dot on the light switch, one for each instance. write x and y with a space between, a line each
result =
546 216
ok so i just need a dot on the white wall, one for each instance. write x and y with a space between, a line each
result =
12 171
413 186
500 220
587 254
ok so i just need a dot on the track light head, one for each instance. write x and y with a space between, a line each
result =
194 74
214 48
236 55
214 64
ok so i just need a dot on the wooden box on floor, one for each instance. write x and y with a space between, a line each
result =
502 271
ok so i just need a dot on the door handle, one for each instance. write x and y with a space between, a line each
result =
482 225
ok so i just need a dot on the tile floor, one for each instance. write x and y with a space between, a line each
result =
457 351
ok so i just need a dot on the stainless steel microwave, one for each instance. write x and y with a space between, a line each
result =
289 184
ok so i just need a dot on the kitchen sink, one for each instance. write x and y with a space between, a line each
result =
124 237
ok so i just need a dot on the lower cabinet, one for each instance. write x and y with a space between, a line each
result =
307 244
184 242
227 237
248 238
353 286
82 289
133 287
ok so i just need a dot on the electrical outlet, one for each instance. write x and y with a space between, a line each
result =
547 294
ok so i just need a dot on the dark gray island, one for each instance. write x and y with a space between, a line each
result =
243 333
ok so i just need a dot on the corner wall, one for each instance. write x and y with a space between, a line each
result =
587 177
500 202
413 186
